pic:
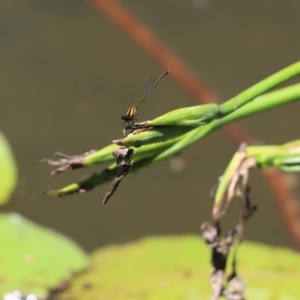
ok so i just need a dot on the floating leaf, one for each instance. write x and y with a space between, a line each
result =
178 268
8 170
35 259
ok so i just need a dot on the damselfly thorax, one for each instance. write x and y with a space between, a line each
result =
130 114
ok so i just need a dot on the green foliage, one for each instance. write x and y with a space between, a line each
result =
8 171
178 268
171 133
285 157
35 259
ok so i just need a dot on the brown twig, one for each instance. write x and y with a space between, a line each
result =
66 162
220 247
124 162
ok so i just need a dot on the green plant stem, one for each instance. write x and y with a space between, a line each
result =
259 104
228 113
259 88
86 185
262 103
181 121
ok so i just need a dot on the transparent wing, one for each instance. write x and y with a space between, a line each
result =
149 87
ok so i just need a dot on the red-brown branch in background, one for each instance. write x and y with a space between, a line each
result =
147 40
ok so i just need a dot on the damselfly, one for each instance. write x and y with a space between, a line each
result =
132 110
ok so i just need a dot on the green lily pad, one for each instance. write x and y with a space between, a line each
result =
178 268
33 258
8 170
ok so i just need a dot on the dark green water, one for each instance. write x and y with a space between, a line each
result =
68 74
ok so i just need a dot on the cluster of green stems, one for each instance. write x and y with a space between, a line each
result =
171 133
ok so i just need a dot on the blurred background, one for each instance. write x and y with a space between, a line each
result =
68 74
